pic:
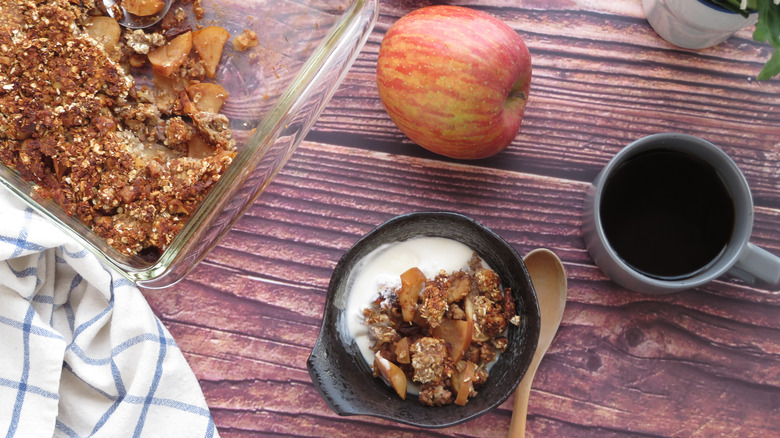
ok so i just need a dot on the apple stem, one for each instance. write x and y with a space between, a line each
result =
517 95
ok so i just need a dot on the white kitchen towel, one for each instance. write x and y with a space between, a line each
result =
81 352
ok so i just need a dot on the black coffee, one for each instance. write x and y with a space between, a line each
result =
667 214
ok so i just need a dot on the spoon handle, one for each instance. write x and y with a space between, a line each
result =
520 410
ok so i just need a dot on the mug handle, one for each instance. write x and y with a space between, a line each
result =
756 265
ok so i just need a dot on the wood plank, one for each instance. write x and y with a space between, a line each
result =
240 321
704 362
600 82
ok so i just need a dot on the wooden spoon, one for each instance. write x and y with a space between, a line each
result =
549 279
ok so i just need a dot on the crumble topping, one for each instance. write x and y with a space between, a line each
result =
141 42
72 122
442 333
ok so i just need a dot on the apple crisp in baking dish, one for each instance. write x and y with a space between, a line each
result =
130 161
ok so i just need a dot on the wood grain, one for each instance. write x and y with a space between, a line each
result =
704 362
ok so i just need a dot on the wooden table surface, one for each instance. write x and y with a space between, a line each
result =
704 362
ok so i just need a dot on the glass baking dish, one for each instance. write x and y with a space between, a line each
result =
305 49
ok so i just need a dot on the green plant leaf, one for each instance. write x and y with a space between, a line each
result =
731 5
769 16
771 68
768 30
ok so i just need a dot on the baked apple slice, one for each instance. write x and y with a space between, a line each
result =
143 8
166 92
104 30
391 373
207 96
457 333
198 148
209 43
167 58
402 351
466 384
412 282
459 288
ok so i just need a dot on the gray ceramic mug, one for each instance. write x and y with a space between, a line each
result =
737 257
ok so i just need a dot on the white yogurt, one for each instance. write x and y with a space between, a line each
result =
380 272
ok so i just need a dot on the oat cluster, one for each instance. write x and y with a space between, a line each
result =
112 154
459 324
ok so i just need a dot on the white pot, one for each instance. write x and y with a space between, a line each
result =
693 24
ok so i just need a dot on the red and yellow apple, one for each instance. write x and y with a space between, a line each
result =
454 80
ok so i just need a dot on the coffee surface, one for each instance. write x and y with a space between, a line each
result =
667 214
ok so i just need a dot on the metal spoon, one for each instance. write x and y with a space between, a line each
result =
131 21
549 279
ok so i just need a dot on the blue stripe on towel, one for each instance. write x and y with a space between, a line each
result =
116 351
23 273
155 381
26 388
20 242
66 430
25 374
37 331
31 389
74 255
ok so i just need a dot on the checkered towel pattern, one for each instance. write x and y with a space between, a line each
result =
81 353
